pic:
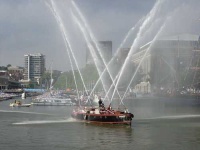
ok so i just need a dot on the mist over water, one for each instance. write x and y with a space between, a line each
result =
147 30
151 25
163 19
98 50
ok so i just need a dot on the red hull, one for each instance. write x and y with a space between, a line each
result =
103 116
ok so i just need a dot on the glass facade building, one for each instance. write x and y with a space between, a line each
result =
34 66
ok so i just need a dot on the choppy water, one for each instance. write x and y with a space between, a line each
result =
158 124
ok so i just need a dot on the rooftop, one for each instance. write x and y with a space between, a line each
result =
182 37
38 54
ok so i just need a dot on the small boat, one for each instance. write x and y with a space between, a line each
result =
102 115
19 104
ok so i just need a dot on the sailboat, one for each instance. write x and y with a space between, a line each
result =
24 95
52 98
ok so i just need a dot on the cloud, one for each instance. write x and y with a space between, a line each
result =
28 26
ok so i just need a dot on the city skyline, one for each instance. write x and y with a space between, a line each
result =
29 27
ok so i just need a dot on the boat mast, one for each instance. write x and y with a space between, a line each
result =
51 80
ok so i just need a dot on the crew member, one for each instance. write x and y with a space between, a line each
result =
100 102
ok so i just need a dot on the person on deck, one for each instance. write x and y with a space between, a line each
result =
100 102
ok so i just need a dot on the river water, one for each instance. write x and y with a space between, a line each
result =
159 123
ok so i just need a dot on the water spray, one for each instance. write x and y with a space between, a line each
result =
146 22
91 48
59 20
115 55
94 40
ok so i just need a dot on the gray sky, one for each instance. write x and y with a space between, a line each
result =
28 26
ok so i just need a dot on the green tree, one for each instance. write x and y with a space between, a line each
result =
9 65
46 77
66 79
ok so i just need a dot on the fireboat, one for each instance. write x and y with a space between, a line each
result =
102 115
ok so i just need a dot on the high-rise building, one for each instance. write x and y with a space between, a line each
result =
105 49
34 66
122 55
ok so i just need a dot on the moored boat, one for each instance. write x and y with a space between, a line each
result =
23 95
53 102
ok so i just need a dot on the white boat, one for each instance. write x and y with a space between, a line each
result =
53 102
19 104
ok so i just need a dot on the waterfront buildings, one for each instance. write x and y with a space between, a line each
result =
105 48
167 62
3 79
16 72
7 82
123 53
34 68
101 48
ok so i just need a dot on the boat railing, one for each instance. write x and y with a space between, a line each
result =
110 111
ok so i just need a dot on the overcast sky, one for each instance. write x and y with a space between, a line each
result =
28 26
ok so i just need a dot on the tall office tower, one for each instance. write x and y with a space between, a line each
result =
34 66
106 51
